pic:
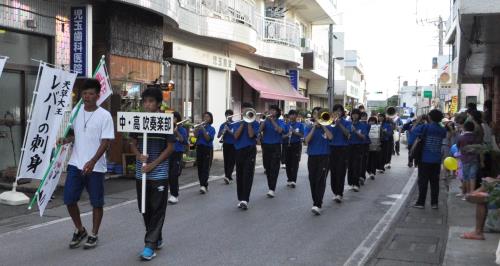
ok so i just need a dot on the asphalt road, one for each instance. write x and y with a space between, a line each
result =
211 230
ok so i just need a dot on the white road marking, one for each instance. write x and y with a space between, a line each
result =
395 196
60 220
388 203
363 252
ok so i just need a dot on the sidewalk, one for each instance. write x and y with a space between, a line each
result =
461 217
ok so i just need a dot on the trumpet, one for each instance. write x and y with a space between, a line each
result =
325 118
182 122
200 124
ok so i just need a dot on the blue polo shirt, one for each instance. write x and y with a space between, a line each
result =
367 135
319 142
245 140
270 135
389 127
434 135
228 138
295 127
200 139
355 139
339 139
181 146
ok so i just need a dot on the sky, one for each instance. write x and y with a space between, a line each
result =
391 43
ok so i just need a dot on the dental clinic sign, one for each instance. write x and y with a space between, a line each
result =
81 39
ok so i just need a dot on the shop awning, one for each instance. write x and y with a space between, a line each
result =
270 86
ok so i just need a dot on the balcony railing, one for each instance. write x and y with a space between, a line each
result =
245 12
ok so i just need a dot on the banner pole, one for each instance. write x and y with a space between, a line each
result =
143 185
58 149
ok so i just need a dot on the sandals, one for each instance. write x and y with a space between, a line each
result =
472 236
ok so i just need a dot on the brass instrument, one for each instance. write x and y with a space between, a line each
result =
390 112
182 122
200 124
325 118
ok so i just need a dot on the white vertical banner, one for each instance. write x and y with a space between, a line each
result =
52 180
3 59
53 95
102 76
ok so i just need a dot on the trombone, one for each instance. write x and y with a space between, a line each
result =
182 122
200 124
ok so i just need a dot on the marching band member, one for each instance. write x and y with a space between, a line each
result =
204 133
226 132
175 163
356 145
374 147
339 152
272 128
388 127
366 144
245 143
160 147
292 145
284 142
317 139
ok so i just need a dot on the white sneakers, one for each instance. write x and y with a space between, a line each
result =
173 200
291 184
270 194
388 166
243 205
227 181
337 198
355 188
203 190
316 210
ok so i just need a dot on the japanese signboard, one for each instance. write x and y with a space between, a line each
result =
428 94
454 104
53 97
52 179
294 78
137 122
3 59
78 40
102 76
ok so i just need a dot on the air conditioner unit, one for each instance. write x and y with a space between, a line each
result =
305 43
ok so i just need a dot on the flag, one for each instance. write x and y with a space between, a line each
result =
101 74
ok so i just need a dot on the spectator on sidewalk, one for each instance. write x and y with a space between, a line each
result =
421 120
469 159
429 166
481 198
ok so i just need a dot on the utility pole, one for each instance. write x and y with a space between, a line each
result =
416 97
399 91
331 70
441 33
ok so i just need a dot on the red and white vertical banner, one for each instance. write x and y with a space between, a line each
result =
102 76
3 59
52 180
53 95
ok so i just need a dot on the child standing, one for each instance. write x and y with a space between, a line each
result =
470 160
156 167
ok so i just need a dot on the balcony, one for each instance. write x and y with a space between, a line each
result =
317 12
315 62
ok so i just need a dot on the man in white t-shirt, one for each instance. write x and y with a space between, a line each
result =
93 131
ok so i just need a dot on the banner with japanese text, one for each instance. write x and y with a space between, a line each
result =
102 76
52 179
53 97
138 122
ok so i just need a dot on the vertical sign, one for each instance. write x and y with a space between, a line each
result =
294 78
53 97
78 40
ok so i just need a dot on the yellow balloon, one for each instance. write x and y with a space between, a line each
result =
450 163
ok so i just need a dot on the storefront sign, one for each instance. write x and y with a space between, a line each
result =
3 59
79 40
454 104
428 94
198 56
138 122
294 78
54 96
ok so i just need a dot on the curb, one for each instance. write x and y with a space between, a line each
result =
380 232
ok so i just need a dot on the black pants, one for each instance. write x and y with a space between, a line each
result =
156 205
283 153
373 162
380 160
428 173
364 161
174 171
293 153
339 157
318 171
397 147
387 148
229 155
245 169
203 162
354 164
271 154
